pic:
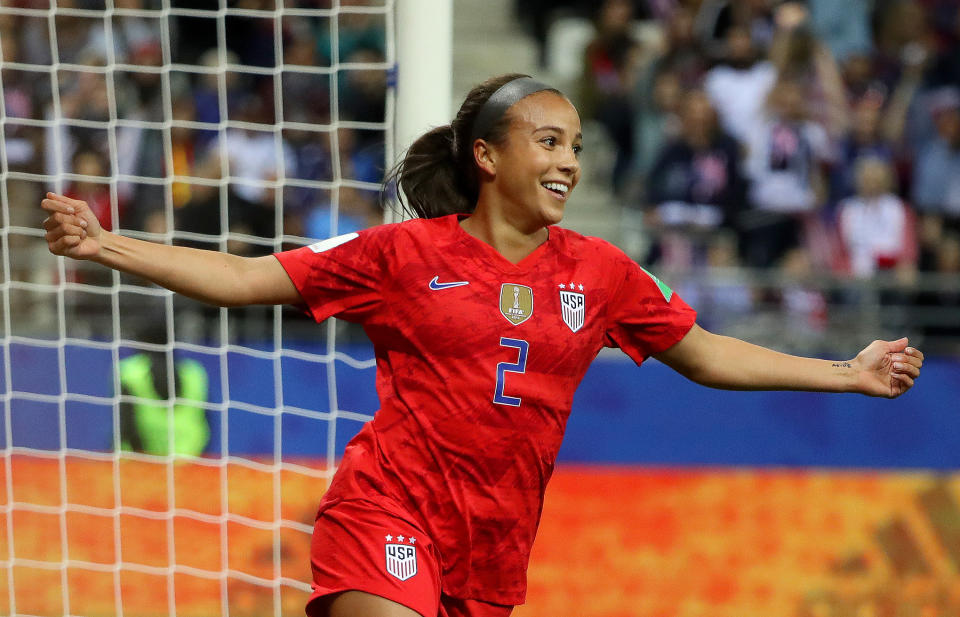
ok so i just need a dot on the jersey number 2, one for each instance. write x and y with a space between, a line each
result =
520 366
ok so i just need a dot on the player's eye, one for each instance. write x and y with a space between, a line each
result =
549 141
577 149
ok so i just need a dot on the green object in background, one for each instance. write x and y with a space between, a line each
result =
191 433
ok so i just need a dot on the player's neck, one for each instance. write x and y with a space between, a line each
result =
513 243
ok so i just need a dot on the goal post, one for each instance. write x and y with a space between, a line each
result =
424 68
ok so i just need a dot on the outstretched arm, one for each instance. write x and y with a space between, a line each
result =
209 276
884 368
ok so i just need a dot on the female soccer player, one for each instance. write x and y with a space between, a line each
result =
484 318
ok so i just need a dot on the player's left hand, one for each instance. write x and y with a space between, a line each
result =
887 368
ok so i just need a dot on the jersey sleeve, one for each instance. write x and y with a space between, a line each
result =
645 317
342 276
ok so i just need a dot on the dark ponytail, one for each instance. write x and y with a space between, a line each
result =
438 174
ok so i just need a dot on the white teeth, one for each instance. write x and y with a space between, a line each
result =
556 186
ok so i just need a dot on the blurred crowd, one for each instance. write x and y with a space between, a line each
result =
813 136
116 107
114 115
802 137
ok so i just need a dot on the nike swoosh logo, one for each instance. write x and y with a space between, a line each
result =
434 285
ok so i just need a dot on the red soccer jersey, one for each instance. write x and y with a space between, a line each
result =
477 362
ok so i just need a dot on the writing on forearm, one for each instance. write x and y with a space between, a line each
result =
842 365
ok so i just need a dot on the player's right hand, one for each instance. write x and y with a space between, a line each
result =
72 229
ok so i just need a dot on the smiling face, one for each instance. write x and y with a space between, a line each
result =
530 175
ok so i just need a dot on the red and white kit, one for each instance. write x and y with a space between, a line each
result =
477 362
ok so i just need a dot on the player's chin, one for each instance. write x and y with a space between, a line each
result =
552 213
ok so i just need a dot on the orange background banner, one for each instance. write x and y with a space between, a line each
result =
613 542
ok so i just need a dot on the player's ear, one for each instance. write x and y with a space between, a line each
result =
485 157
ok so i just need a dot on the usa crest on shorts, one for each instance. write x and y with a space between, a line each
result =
572 308
401 560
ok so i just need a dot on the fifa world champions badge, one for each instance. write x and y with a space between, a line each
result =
516 302
401 558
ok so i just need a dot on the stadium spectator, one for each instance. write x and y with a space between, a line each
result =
786 155
936 185
183 147
202 214
657 121
945 69
254 155
73 34
352 211
141 151
299 49
251 38
715 17
354 31
659 87
902 34
536 16
876 227
681 54
206 91
860 82
802 58
739 85
611 63
82 96
90 164
128 32
22 143
310 160
695 186
24 147
865 139
905 107
143 90
363 91
360 156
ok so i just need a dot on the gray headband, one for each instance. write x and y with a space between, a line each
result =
501 100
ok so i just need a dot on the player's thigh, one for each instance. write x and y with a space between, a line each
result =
359 604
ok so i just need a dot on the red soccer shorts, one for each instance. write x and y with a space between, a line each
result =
360 546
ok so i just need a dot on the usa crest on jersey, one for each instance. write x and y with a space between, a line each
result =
572 309
401 560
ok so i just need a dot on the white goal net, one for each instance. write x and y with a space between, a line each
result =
161 457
